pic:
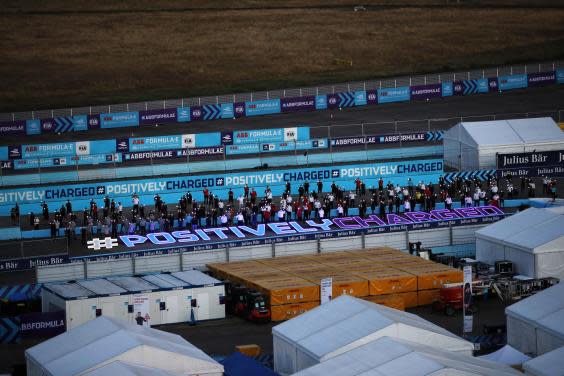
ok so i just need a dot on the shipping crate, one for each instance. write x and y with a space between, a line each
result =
409 298
389 281
289 311
426 297
391 300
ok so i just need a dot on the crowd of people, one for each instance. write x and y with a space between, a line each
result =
306 201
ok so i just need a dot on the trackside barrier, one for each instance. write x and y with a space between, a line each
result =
290 100
85 268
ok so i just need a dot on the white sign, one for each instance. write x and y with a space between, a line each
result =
141 310
188 141
326 290
467 299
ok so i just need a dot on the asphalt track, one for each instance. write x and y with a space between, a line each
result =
542 101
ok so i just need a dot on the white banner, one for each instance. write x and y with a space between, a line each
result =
326 290
290 134
141 310
188 141
467 297
82 148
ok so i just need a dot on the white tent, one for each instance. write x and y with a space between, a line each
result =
346 323
535 325
549 364
533 239
127 369
105 340
391 356
507 355
474 145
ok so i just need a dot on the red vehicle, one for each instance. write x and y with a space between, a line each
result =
246 303
451 299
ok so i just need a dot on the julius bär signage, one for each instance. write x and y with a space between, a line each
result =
409 220
540 158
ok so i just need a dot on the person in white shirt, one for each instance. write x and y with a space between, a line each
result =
223 220
289 212
281 214
241 201
240 218
468 201
448 202
406 206
289 199
321 213
476 198
340 211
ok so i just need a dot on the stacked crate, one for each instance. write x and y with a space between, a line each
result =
381 275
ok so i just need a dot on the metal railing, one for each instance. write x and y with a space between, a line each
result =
425 79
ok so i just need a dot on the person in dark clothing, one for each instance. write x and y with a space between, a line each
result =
319 186
140 319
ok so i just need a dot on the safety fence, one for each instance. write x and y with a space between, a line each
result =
280 101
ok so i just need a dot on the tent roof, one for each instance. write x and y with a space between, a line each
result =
345 320
132 284
238 364
551 363
507 355
507 132
127 369
538 230
104 339
196 278
390 356
545 309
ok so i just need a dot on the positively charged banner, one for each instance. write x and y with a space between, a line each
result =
428 169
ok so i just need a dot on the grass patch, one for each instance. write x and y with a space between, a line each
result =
131 51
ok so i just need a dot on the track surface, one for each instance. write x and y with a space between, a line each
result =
543 101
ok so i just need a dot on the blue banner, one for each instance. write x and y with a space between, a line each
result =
447 89
360 98
33 127
400 94
265 107
103 146
227 111
242 149
155 143
207 139
3 153
425 169
49 150
318 143
119 119
23 164
258 136
183 114
560 76
321 102
516 81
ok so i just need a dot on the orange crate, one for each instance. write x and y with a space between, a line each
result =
391 300
426 297
288 311
409 299
389 281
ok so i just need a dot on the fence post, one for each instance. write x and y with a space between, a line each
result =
251 97
451 237
395 83
284 93
234 99
182 102
273 250
525 68
318 245
364 85
216 99
317 91
363 240
409 80
483 74
539 67
407 239
127 107
497 72
133 266
181 261
396 126
85 263
468 75
511 70
429 125
267 95
440 79
227 253
333 89
300 92
199 101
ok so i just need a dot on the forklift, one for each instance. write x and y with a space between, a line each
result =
249 304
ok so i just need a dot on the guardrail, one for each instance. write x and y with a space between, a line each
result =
426 79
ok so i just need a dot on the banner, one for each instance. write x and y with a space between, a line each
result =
426 91
15 152
468 87
242 149
258 136
176 153
93 121
155 143
326 290
95 159
239 109
400 94
447 90
141 310
207 139
6 165
493 84
321 102
516 81
12 127
33 127
467 299
63 124
265 107
42 324
560 76
360 98
540 158
196 113
382 139
183 114
119 119
297 104
319 143
430 169
531 172
227 138
151 117
63 149
227 111
372 97
541 79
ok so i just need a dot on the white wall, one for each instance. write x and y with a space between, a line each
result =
521 335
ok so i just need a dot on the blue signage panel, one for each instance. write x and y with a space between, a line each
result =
400 94
560 76
155 143
183 114
49 150
429 169
265 107
242 149
360 98
103 146
516 81
207 139
258 136
227 111
321 102
33 127
318 143
447 89
119 119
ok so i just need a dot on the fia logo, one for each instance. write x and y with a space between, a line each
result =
239 109
372 96
188 141
93 121
457 87
196 113
290 134
107 243
332 100
82 147
493 84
